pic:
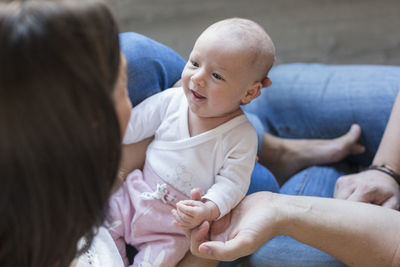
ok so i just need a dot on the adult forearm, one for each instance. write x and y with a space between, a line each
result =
389 148
356 233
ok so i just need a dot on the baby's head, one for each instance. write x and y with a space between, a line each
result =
246 38
227 67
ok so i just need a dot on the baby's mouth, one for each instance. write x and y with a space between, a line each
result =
197 95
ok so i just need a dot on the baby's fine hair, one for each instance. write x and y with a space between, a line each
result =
256 40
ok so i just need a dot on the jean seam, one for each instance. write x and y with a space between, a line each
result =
300 192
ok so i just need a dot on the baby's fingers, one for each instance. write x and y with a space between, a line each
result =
187 218
182 219
187 207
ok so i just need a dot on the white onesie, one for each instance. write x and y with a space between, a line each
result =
220 161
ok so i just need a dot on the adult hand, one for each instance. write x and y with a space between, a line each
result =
369 186
241 232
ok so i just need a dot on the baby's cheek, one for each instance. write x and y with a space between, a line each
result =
185 73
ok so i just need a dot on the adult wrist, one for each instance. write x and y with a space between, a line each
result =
388 170
287 211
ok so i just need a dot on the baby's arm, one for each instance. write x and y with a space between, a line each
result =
231 182
191 213
233 178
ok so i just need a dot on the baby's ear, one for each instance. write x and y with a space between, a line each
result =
266 82
252 92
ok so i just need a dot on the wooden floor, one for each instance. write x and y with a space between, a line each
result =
327 31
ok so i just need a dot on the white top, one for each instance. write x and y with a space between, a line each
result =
102 253
219 161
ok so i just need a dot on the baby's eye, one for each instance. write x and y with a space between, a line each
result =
218 77
194 63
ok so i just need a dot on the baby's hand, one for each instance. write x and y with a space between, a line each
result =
191 213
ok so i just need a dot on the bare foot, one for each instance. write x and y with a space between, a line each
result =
285 157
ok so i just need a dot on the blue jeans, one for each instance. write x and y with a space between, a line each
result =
304 101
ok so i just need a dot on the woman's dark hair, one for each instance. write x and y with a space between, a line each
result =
59 132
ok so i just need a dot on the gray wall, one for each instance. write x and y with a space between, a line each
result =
327 31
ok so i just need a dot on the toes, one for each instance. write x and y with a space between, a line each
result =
346 144
351 138
354 133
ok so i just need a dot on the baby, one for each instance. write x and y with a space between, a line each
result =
202 140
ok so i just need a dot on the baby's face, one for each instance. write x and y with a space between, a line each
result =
216 76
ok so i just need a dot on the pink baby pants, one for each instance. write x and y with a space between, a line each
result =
146 224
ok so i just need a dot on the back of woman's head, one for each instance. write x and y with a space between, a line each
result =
59 133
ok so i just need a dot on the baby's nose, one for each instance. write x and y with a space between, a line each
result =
198 79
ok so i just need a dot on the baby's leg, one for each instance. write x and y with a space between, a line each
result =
167 251
158 241
119 209
285 157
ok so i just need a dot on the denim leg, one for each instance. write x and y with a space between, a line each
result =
152 67
322 101
284 251
317 181
262 180
257 124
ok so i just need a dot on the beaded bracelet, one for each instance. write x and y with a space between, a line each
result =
385 169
